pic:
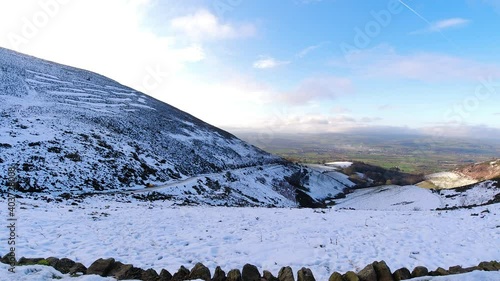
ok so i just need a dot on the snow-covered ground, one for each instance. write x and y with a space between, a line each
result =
158 235
391 198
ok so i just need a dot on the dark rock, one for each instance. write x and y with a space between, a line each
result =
200 271
496 264
368 274
486 266
456 269
269 276
336 277
219 274
250 273
439 272
9 258
29 261
234 275
165 275
78 267
117 266
383 271
419 271
181 274
472 268
305 274
52 261
401 274
128 271
64 265
350 276
286 274
150 275
101 267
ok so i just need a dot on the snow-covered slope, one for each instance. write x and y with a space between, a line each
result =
408 198
70 130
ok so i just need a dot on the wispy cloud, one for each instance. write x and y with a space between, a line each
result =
304 52
440 26
205 25
384 61
316 89
269 62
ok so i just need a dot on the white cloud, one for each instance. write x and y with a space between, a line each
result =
205 25
304 52
267 63
449 23
383 61
317 89
106 37
442 25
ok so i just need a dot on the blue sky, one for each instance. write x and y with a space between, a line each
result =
289 65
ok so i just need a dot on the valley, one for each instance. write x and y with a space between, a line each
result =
410 153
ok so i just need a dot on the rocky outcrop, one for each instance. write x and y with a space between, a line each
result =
401 274
419 271
219 274
181 274
101 267
286 274
250 273
368 274
234 275
350 276
336 277
269 276
165 275
305 274
200 271
64 265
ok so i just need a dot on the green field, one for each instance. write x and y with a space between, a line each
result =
413 154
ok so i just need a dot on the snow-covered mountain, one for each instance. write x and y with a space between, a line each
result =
67 130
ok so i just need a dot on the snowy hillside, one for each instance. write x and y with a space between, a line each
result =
71 130
408 198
